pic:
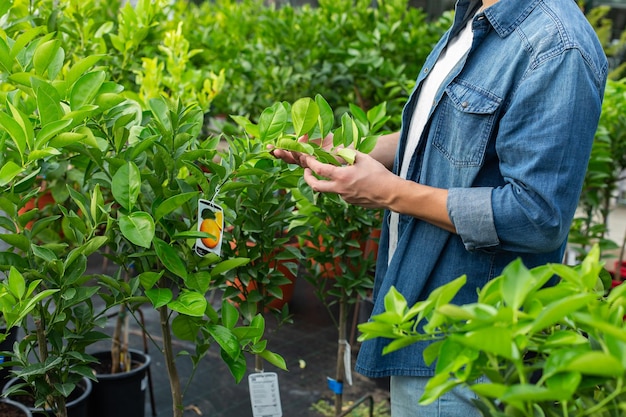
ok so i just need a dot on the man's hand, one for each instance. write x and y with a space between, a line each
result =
367 183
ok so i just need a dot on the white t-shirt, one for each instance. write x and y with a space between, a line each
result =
449 58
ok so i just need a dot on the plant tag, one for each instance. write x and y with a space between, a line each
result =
211 221
264 395
347 363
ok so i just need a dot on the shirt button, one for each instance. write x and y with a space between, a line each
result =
425 70
464 104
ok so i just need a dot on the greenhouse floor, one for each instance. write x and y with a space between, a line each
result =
308 345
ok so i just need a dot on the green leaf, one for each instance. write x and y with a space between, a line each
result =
237 366
85 89
93 245
170 259
161 112
565 382
228 265
9 171
501 341
348 155
44 253
199 281
274 359
42 154
272 123
172 204
190 303
138 228
159 297
558 310
65 389
226 339
51 129
326 116
45 55
24 122
149 279
516 284
6 61
15 131
81 67
528 392
230 315
304 114
185 327
395 302
17 284
48 104
66 139
368 144
126 185
16 240
596 363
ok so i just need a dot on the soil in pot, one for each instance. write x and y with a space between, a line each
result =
121 394
10 408
76 403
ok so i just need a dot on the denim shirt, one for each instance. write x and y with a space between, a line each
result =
509 135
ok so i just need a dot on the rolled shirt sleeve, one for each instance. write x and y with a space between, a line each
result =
543 156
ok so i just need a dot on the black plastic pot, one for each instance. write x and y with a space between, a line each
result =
122 394
6 346
10 407
76 403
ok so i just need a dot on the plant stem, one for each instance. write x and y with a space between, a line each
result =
341 348
172 372
115 341
601 404
55 401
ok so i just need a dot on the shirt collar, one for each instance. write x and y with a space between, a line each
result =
505 16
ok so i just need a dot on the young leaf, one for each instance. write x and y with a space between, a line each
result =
44 56
304 115
9 171
15 132
272 123
126 185
189 303
274 359
85 89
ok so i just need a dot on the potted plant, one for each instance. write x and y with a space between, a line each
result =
47 121
328 219
155 183
554 350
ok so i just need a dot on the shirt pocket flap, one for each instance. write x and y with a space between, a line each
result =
471 99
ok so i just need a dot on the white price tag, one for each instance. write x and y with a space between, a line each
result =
264 395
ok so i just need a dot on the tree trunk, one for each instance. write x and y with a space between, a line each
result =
341 348
172 372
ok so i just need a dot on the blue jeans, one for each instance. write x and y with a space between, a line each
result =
406 392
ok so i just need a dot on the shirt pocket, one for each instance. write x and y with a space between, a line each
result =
464 122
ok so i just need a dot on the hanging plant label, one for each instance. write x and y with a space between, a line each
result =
211 222
264 395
